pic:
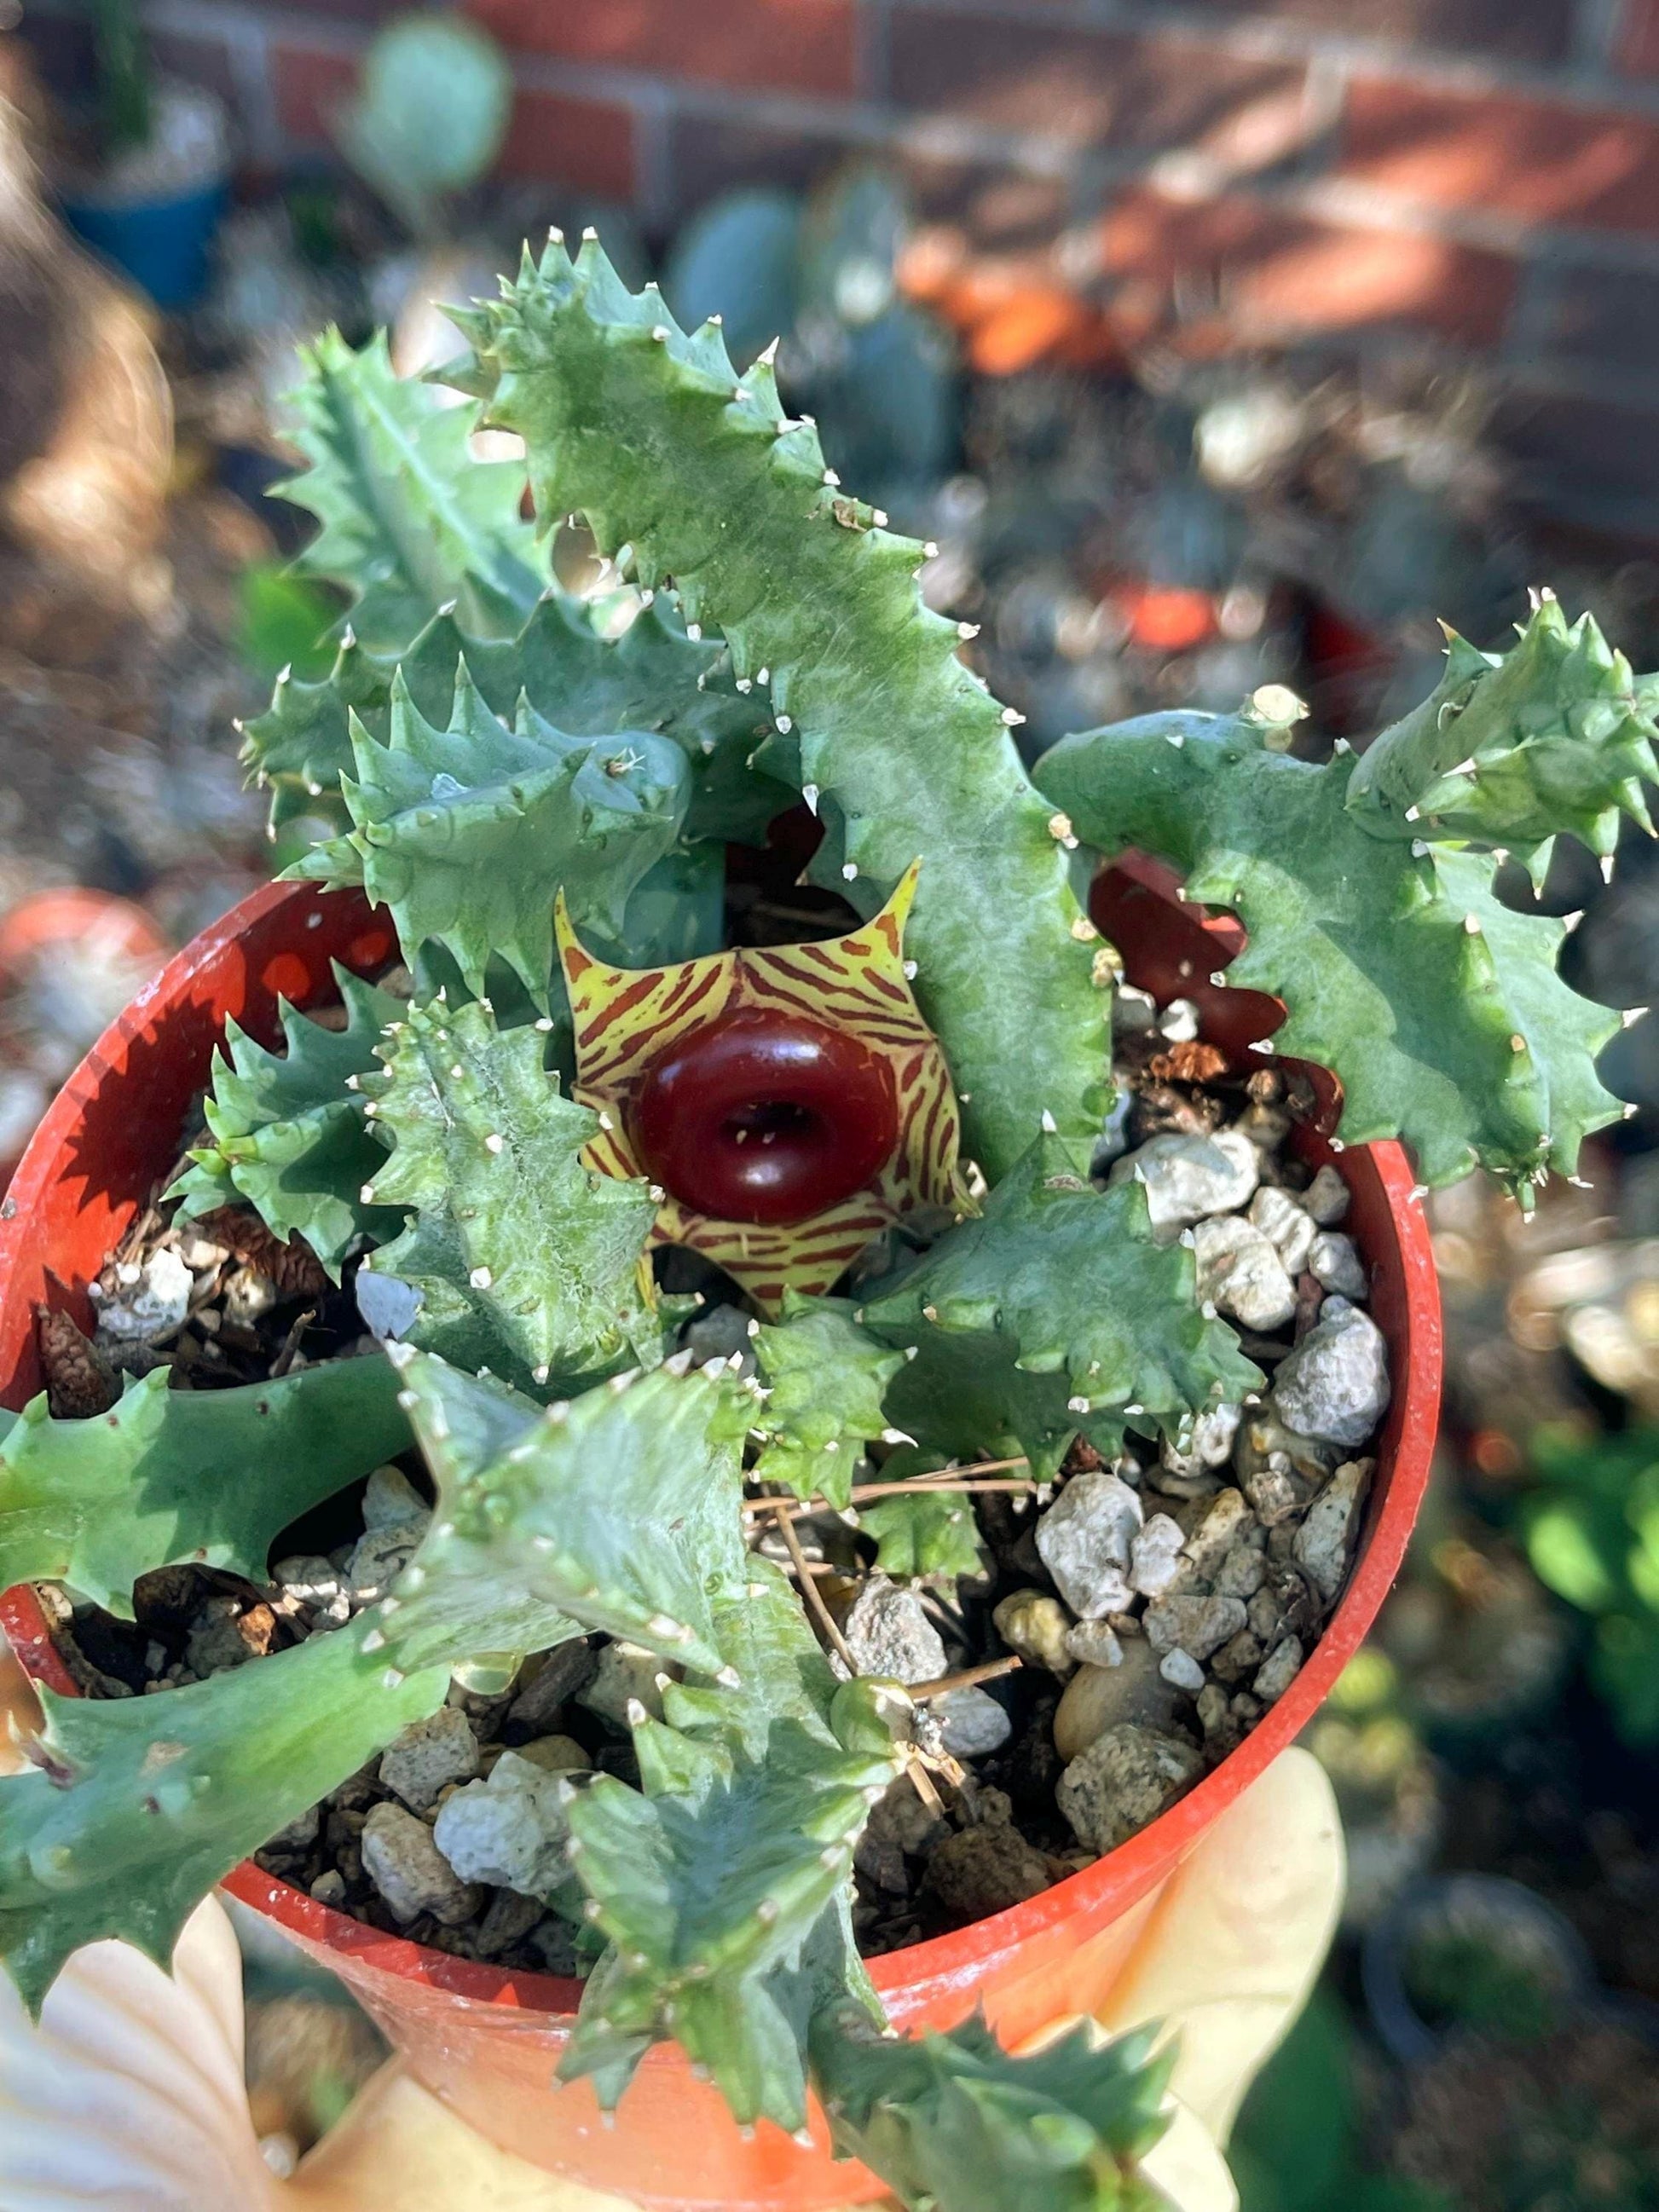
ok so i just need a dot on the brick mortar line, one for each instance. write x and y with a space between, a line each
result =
1181 174
1426 69
1572 82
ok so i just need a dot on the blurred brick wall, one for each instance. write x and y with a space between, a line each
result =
1216 171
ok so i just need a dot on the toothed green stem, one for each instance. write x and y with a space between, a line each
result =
1515 748
951 2121
1053 1313
467 833
288 1134
652 677
1439 1009
528 1263
138 1807
553 1515
653 436
208 1476
825 1379
410 520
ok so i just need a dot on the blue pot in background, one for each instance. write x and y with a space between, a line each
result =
162 245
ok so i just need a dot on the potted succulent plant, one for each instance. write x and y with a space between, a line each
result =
151 193
535 1346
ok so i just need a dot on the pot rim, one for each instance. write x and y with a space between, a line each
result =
959 1958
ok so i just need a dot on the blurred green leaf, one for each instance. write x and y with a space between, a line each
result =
284 620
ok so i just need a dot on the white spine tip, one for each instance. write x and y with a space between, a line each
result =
494 1142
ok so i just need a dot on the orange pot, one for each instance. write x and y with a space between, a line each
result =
486 2040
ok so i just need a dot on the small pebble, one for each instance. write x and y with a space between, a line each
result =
329 1888
508 1921
428 1756
509 1831
1239 1270
890 1633
1288 1226
1278 1670
377 1560
555 1754
1083 1541
1185 1460
1100 1697
1094 1644
155 1299
411 1875
318 1585
1036 1625
1326 1536
1183 1671
1125 1778
1189 1177
986 1869
1237 1657
1334 1386
1155 1556
1226 1519
1333 1261
971 1723
1326 1198
1197 1625
391 1501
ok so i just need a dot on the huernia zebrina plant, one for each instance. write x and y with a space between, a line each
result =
585 1074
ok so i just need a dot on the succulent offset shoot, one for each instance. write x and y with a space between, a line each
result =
584 1073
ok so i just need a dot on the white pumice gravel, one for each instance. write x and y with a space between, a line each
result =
1333 1261
1189 1178
1240 1270
1327 1198
1334 1386
1084 1539
1287 1223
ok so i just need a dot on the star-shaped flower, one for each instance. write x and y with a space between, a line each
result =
789 1103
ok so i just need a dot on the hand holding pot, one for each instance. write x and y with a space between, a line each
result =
130 2090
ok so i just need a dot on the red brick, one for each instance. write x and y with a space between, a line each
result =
1271 275
310 85
1131 94
1637 45
796 46
586 143
1532 158
1519 30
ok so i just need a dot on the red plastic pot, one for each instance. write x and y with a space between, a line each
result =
487 2040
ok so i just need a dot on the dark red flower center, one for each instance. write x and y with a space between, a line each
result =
765 1116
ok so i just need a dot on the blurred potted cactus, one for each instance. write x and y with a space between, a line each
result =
149 192
629 1531
422 129
820 275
